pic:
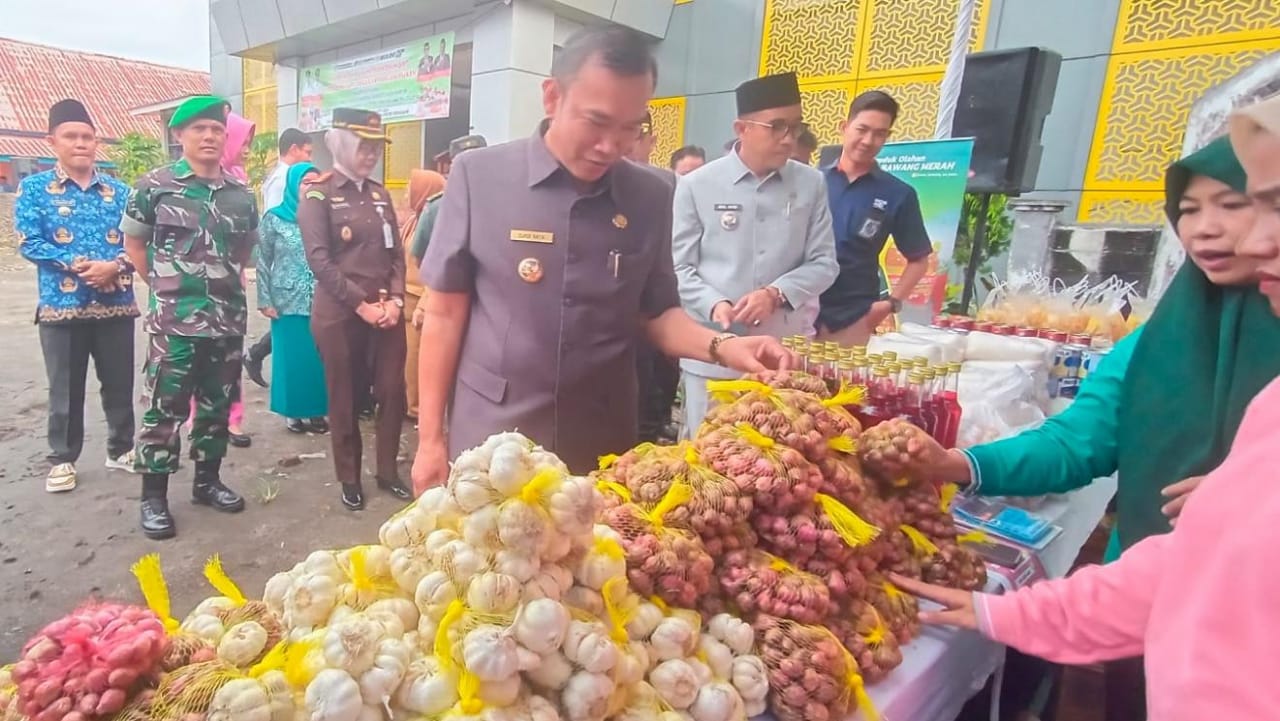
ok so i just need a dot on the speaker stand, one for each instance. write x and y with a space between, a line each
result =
975 251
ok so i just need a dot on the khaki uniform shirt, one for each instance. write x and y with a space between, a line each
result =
352 243
560 284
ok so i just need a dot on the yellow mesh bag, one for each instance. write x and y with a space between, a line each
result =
191 689
809 670
184 648
668 562
760 582
778 477
803 421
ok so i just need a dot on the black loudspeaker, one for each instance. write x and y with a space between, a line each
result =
1005 96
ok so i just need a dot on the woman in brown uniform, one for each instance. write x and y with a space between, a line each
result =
353 247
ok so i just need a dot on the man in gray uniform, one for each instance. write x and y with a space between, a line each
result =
551 256
752 232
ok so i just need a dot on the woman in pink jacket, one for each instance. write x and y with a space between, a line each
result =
1199 602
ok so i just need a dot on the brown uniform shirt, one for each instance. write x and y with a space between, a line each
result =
550 352
352 243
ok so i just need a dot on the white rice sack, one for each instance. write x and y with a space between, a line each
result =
992 347
952 344
906 347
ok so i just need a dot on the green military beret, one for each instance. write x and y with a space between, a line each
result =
200 106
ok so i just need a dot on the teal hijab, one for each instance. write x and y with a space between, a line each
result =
287 210
1203 356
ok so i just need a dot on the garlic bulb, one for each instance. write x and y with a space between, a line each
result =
434 594
273 594
390 662
573 505
676 682
674 638
409 565
718 701
518 565
586 696
643 622
750 677
401 609
332 696
310 599
490 653
279 695
241 699
500 693
553 674
494 593
732 632
585 599
717 656
207 627
243 643
510 468
350 645
407 527
541 626
480 528
589 646
427 689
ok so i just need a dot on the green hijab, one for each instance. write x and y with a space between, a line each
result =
1203 355
287 210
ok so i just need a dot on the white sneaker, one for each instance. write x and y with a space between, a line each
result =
127 462
62 478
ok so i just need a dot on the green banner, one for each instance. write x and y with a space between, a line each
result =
410 82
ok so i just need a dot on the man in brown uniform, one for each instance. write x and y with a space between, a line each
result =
353 247
550 257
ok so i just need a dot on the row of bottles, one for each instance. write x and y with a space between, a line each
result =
927 395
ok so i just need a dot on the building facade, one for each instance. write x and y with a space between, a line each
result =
1131 68
33 77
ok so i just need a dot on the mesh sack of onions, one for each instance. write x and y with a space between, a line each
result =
778 477
88 663
827 530
717 510
899 609
762 583
842 478
793 380
844 579
955 566
868 639
886 447
670 563
927 509
887 548
803 421
812 677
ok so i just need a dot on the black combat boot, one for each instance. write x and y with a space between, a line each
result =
207 490
157 522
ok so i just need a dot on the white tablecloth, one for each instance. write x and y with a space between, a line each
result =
943 668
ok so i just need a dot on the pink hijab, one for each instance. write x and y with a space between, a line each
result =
239 135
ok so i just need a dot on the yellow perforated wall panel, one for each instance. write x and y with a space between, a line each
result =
668 123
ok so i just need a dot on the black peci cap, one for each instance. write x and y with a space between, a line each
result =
770 91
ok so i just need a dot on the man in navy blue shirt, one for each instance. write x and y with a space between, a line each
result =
867 206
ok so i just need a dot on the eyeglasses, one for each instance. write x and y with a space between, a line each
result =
780 128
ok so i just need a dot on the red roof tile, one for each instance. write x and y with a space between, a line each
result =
34 77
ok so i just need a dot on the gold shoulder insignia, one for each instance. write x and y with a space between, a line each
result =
315 195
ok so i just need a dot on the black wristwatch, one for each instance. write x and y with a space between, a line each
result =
895 303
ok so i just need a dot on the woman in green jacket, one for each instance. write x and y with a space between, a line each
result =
1162 408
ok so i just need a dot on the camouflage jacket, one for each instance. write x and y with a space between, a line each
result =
199 234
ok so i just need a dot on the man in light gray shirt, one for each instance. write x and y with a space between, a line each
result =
751 236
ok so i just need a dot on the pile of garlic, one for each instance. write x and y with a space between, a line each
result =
496 597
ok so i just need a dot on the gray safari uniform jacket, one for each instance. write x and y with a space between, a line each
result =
560 283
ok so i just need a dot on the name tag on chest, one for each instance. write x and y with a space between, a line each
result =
532 236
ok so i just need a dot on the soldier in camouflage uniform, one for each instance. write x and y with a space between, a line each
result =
189 230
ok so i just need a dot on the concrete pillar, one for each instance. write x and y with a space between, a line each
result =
511 49
1033 223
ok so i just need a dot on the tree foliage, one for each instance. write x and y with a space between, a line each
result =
136 154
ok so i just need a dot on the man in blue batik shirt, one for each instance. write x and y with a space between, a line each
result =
68 220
